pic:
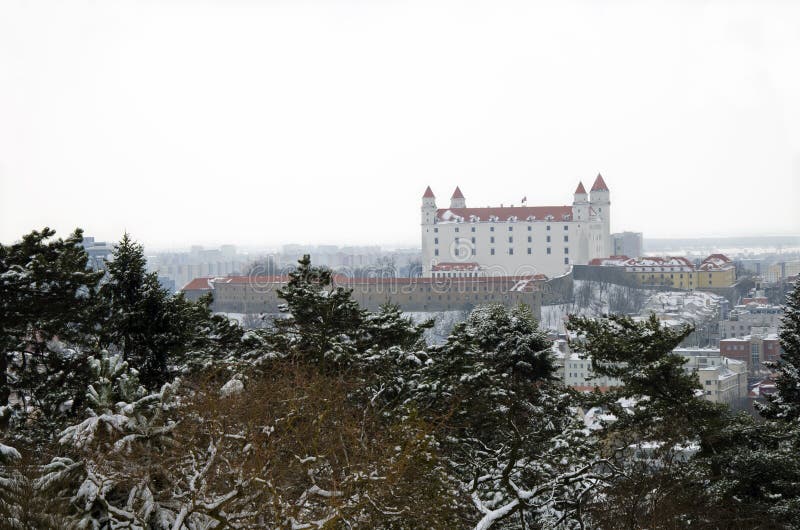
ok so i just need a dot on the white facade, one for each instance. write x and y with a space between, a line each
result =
517 241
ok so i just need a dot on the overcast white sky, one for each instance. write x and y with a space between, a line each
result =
261 122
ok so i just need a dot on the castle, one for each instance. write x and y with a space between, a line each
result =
514 240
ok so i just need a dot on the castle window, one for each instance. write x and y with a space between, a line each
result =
510 239
491 229
566 261
529 250
473 251
566 227
530 239
456 229
510 251
548 250
435 240
491 252
473 228
530 228
510 228
436 252
566 250
548 228
566 238
473 240
491 239
435 229
548 239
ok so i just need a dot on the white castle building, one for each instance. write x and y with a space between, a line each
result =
515 241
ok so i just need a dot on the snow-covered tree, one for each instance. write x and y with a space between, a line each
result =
155 331
324 322
46 293
655 423
784 404
515 444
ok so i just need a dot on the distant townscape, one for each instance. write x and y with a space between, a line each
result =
523 368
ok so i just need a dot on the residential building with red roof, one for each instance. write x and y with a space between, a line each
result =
515 240
716 271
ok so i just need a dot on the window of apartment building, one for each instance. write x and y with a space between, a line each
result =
529 250
548 250
491 252
510 251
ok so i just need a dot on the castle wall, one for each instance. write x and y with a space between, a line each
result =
411 294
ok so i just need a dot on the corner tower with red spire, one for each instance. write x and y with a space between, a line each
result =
428 209
600 203
458 200
580 204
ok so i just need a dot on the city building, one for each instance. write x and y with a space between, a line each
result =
627 244
716 270
676 272
99 252
782 270
754 316
723 380
517 240
753 350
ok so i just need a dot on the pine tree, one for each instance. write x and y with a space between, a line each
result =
154 330
46 293
656 422
324 323
515 443
784 404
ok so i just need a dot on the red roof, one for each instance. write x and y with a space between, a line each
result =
599 184
456 266
198 284
428 193
559 213
580 189
457 194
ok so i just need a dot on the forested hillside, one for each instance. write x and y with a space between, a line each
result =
123 406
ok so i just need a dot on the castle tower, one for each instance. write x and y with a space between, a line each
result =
600 202
458 200
580 204
428 209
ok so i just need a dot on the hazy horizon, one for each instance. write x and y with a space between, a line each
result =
260 124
